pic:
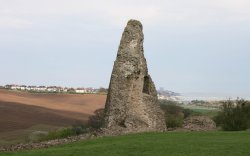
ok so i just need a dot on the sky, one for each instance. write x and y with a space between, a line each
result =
191 47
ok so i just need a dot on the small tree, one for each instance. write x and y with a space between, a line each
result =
174 114
234 115
96 121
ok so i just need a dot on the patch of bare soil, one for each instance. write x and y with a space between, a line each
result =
23 112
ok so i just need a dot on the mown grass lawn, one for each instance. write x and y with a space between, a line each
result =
155 144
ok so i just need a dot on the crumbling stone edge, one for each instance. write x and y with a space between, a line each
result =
50 143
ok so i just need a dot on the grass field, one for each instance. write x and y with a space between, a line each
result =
210 112
154 144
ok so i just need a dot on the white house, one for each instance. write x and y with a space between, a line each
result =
15 87
23 87
52 89
81 90
41 88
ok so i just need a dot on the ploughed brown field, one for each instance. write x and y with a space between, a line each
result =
22 113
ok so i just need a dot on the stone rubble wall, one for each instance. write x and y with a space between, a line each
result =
47 144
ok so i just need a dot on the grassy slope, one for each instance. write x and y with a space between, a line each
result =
157 144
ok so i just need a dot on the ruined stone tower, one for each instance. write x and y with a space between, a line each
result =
132 104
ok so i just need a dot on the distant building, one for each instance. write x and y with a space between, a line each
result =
15 87
22 87
41 88
81 90
52 89
168 95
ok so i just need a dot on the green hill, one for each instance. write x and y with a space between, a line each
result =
155 144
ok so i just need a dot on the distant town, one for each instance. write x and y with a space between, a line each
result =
162 94
54 89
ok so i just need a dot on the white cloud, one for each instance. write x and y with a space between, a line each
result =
117 12
112 11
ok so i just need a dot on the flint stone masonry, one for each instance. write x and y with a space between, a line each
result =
132 103
50 143
199 123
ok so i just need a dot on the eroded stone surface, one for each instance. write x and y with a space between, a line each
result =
132 104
